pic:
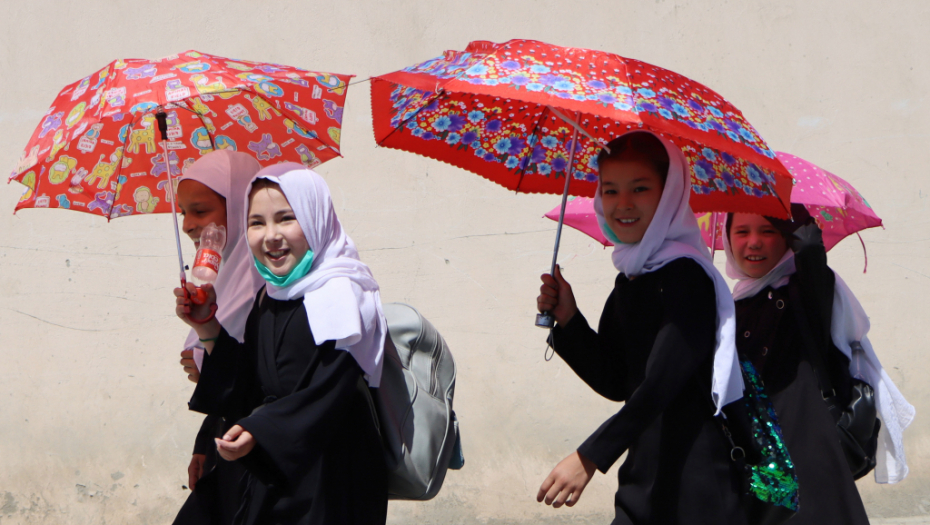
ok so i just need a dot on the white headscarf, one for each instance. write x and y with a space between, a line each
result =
340 295
849 325
674 233
229 173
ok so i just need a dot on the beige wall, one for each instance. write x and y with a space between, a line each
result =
93 422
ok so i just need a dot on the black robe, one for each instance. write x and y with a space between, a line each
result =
654 349
318 457
216 497
769 334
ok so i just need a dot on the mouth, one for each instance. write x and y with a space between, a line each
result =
196 243
626 222
755 258
277 256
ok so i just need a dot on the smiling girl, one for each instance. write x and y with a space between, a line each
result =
790 306
298 386
664 345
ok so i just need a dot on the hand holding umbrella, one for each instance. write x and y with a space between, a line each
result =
556 297
194 314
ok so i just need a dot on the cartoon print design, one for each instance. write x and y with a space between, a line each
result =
188 162
237 66
241 115
158 164
293 127
218 88
263 108
142 107
120 210
28 180
58 142
42 201
76 114
138 73
123 133
163 185
224 142
63 201
254 77
269 89
294 78
101 78
334 134
175 91
305 114
307 157
116 97
120 64
269 68
104 170
80 89
208 122
145 201
193 67
59 171
332 83
75 184
265 149
200 139
199 107
28 160
143 136
332 110
51 122
102 201
88 142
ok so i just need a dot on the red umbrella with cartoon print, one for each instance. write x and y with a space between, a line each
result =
533 116
113 142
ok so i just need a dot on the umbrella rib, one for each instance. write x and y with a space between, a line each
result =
119 169
539 121
577 127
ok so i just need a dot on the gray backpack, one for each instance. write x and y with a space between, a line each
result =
414 406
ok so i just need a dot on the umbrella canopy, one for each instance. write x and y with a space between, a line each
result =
97 150
507 112
839 209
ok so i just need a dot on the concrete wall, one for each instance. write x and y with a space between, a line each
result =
93 422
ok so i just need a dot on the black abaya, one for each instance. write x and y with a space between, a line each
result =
769 334
318 456
654 349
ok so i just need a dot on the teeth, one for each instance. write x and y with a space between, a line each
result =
277 253
755 257
627 221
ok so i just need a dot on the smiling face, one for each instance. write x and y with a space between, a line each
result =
757 245
630 193
274 234
199 206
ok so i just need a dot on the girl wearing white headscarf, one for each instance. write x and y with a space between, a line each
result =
798 308
227 174
298 385
665 346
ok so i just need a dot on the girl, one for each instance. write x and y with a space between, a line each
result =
664 345
298 386
789 304
213 190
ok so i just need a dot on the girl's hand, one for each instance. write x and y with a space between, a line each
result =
235 444
567 481
195 470
556 297
187 310
190 366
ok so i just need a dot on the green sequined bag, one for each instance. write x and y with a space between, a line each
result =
770 488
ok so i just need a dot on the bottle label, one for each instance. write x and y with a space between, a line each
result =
208 258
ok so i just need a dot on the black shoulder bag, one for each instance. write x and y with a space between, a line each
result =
857 424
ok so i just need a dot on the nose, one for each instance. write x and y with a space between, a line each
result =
187 225
755 241
624 200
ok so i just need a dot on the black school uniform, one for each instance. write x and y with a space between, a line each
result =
769 334
654 350
318 458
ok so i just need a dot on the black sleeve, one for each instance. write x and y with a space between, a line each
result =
596 357
204 440
685 341
228 386
290 432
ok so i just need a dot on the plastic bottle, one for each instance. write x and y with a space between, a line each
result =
209 255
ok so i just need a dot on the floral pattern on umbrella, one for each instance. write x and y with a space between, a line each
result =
98 149
488 110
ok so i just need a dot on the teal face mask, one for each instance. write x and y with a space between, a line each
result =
283 281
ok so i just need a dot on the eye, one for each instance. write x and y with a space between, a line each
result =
609 192
640 189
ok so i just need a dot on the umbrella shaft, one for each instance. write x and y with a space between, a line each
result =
174 214
568 179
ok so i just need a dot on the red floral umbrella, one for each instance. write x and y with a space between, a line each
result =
97 151
507 112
